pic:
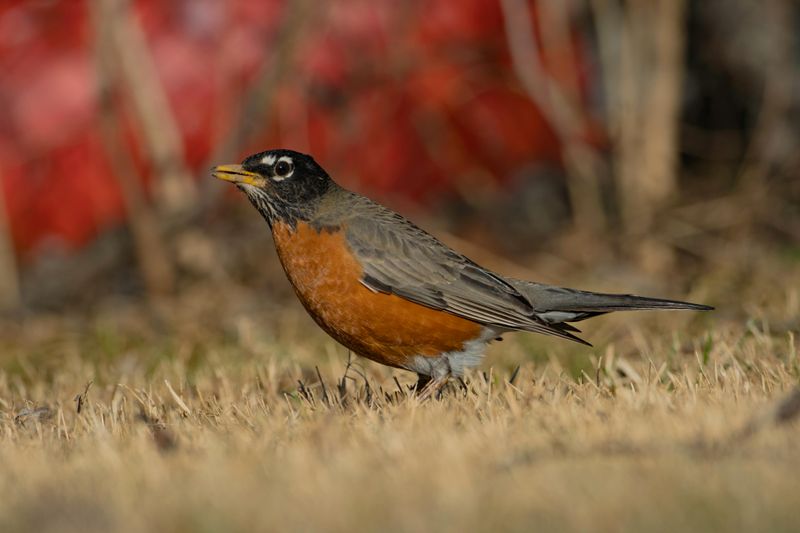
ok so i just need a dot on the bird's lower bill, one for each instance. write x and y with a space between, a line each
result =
236 174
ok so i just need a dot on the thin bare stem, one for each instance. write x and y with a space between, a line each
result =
583 164
154 263
9 277
642 55
175 190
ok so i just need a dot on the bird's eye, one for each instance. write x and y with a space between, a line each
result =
283 169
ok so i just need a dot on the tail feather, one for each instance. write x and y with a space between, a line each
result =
557 304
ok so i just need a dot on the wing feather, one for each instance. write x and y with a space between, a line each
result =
400 258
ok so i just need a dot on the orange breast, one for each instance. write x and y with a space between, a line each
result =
384 328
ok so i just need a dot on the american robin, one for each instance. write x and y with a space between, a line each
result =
390 291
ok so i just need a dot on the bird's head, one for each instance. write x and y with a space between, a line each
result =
281 184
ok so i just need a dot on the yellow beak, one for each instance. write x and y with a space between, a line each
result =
236 174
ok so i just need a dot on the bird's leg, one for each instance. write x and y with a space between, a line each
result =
433 387
422 382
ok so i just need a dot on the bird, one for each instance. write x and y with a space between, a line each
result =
392 292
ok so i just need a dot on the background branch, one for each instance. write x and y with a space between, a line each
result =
9 277
651 76
154 263
583 163
174 190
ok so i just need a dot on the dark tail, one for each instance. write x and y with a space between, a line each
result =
558 305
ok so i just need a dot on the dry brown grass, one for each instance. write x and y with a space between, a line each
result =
195 421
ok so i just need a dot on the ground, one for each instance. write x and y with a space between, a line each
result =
220 411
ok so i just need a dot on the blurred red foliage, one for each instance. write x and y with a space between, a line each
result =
399 97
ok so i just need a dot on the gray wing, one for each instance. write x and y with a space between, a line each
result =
400 258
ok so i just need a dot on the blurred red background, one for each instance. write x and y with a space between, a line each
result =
392 97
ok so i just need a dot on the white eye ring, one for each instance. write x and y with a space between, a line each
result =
281 177
268 160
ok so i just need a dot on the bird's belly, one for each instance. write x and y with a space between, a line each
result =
382 327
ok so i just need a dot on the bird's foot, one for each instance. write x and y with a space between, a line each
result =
422 382
432 387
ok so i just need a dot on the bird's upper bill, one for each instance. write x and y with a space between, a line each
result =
237 174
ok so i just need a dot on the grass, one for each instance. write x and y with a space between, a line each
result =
217 413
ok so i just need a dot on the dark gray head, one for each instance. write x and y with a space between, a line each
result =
283 185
